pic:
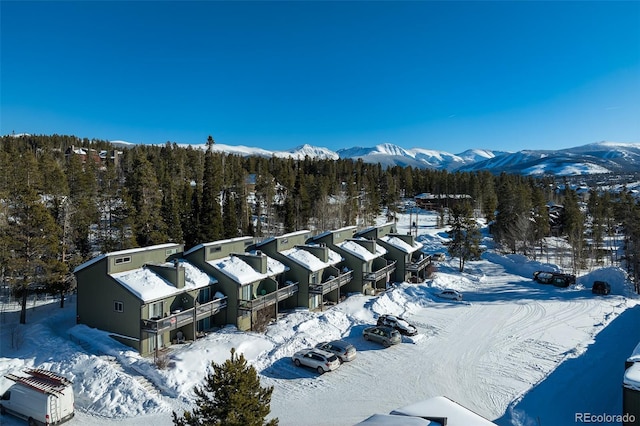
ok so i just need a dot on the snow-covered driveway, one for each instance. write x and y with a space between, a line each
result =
506 336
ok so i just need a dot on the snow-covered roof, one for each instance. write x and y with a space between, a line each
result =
123 252
632 376
149 286
441 406
400 244
243 273
311 261
360 251
391 420
194 277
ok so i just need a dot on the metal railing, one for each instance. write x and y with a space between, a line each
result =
332 284
268 299
419 265
380 273
186 317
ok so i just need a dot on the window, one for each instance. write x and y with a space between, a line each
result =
156 310
171 251
215 249
120 260
246 292
205 295
118 306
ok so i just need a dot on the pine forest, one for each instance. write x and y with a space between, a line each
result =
63 200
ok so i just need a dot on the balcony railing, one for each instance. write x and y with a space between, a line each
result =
380 273
332 284
268 299
419 265
186 317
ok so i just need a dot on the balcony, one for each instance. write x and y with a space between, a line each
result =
268 299
332 284
180 319
380 274
419 265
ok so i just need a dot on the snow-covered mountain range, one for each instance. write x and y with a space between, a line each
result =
595 158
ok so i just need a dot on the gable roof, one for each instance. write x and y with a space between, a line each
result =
359 251
400 244
216 243
148 286
123 252
281 237
336 231
243 273
443 407
310 261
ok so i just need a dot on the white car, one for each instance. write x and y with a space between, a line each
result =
319 360
450 294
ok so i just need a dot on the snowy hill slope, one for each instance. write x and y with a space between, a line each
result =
601 157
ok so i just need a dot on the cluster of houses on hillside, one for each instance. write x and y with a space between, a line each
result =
152 297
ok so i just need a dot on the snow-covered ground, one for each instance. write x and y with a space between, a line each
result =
513 351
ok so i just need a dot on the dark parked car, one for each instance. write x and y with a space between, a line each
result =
398 323
563 280
386 335
601 287
544 277
556 278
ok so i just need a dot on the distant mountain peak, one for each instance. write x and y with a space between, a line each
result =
597 157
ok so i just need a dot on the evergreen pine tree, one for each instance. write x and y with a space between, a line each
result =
210 210
82 183
31 235
541 225
464 234
573 225
229 216
230 396
146 202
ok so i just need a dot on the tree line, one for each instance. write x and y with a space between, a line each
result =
58 208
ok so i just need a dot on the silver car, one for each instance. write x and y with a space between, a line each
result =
345 351
319 360
382 334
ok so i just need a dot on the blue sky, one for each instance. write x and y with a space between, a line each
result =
438 75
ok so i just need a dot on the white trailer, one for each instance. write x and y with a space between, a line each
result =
41 398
